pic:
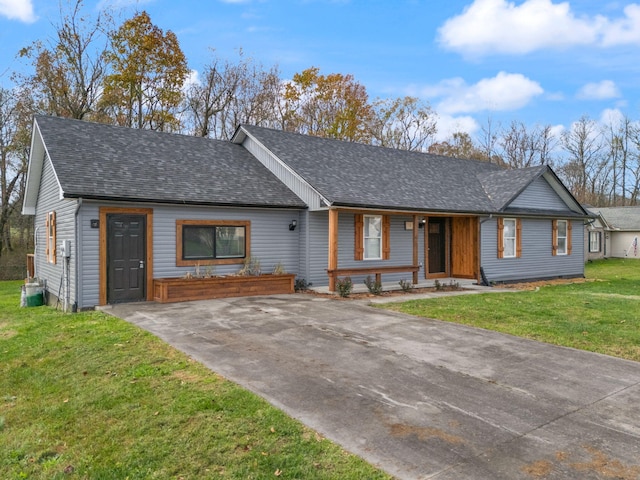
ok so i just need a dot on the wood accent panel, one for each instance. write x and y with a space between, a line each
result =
358 237
104 211
416 254
332 262
216 261
386 237
166 290
464 247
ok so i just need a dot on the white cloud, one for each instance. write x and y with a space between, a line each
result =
505 91
18 10
611 117
624 31
501 26
603 90
448 125
498 26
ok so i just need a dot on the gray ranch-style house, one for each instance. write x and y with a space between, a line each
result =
114 206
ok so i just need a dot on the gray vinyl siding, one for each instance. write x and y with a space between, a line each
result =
318 253
89 259
271 240
284 173
537 261
49 201
540 195
401 248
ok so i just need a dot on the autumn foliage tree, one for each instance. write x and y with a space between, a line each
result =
148 71
333 105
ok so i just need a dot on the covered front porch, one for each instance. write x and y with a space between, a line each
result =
423 246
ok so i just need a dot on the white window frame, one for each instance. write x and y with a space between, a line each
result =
562 247
513 240
366 254
594 241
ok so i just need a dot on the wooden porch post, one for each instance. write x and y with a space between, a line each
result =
332 263
416 258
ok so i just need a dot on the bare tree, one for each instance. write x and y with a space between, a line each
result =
583 171
14 141
525 147
403 123
459 145
70 68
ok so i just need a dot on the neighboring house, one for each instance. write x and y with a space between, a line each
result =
596 238
621 231
128 206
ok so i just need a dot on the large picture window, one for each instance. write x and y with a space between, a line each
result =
210 242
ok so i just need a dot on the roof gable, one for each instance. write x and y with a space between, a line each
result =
106 162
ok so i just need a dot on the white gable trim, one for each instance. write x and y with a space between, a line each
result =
37 156
288 176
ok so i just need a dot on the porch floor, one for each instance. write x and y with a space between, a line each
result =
465 283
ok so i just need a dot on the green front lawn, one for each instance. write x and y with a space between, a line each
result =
601 315
88 396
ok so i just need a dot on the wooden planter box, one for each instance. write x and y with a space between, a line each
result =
167 290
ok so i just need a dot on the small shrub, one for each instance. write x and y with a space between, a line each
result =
438 285
453 285
278 269
375 287
251 266
301 285
406 285
344 286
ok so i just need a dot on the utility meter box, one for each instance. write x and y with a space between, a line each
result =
66 248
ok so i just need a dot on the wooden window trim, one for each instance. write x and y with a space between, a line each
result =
554 237
358 248
51 250
518 245
180 262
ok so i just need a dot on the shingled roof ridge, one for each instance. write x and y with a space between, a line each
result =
416 153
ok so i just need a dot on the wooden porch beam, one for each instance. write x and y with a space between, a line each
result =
416 258
332 262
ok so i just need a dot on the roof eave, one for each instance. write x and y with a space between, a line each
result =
107 198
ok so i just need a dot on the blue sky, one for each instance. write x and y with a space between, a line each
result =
541 62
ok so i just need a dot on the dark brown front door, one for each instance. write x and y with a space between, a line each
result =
437 245
126 245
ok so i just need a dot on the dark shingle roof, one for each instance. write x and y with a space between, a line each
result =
503 186
352 174
101 161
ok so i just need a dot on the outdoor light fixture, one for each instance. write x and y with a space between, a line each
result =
293 225
422 222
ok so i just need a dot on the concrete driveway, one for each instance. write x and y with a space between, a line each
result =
419 398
